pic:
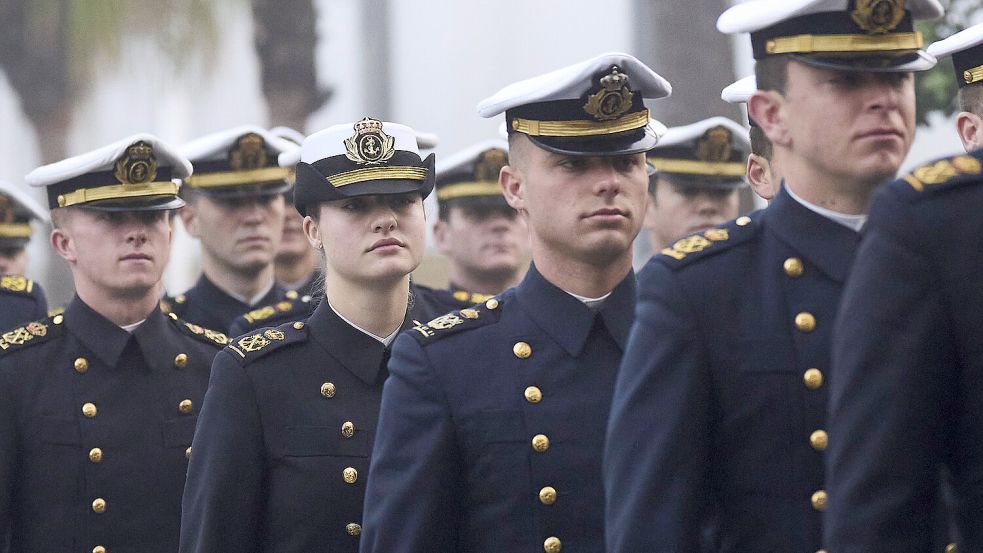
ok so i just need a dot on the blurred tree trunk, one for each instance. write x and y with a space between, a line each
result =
285 35
680 41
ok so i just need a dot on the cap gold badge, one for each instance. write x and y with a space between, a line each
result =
138 165
248 153
613 99
369 145
715 145
878 16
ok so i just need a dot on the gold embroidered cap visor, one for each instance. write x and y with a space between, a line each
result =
221 182
564 127
102 191
848 41
338 178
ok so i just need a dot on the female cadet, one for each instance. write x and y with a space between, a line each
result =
288 421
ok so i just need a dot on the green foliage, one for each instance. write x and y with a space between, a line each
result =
936 89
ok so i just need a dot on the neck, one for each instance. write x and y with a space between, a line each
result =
378 307
236 282
589 279
121 309
295 269
484 282
833 192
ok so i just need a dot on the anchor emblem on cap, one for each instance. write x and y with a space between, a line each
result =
613 99
878 16
369 145
138 165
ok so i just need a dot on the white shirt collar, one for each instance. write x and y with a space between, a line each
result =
591 303
131 327
385 341
255 299
852 222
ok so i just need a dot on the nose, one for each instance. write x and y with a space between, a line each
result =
887 92
384 221
609 179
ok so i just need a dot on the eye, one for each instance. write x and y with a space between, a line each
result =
626 163
573 163
353 205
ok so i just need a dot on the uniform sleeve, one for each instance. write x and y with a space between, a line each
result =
414 478
657 446
224 494
8 454
886 400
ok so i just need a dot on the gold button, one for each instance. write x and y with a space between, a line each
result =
291 294
98 549
743 221
181 298
348 429
187 453
540 443
298 325
552 545
99 505
533 394
58 319
951 548
89 410
819 440
805 322
328 390
81 365
793 267
813 379
350 475
181 360
172 316
353 529
819 500
492 304
547 495
95 455
522 350
821 551
185 406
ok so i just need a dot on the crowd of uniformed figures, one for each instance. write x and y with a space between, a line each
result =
804 378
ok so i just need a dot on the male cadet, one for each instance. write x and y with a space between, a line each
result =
235 208
100 402
485 241
699 169
966 50
906 397
294 265
492 421
718 418
763 170
21 299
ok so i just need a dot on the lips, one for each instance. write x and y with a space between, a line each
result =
385 242
607 212
136 257
886 132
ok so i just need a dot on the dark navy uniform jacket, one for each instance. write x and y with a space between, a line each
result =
427 303
720 408
21 300
907 386
282 451
207 305
95 425
492 426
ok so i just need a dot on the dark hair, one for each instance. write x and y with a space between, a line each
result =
760 145
971 99
772 73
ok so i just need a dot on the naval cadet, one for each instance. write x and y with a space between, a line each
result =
699 170
294 265
235 209
484 240
285 435
718 422
21 299
966 50
492 421
100 402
